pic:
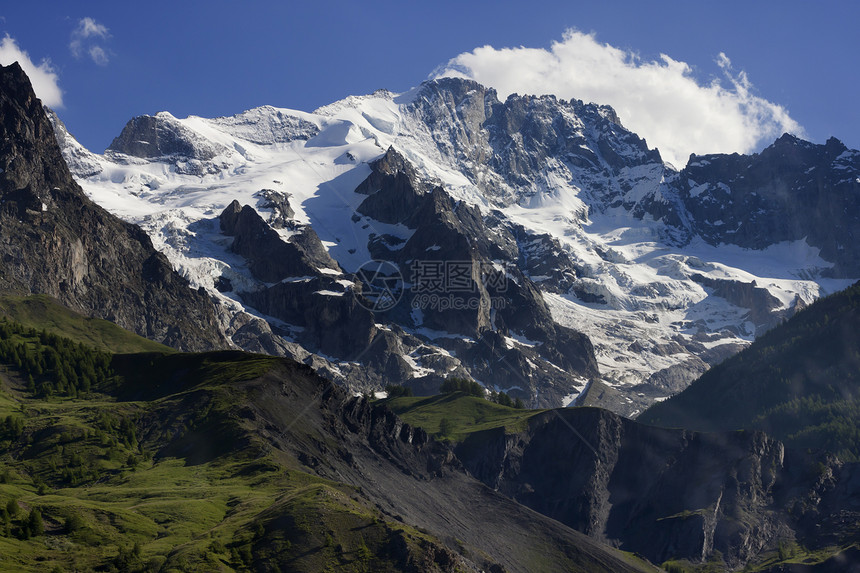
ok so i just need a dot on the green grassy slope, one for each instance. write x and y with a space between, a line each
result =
800 382
176 482
44 313
180 462
456 415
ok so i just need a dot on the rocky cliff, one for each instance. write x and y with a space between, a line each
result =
458 254
667 494
55 241
792 190
517 150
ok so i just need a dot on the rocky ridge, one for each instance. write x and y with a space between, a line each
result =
410 477
56 241
302 286
792 190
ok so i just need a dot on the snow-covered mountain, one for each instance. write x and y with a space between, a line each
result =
516 227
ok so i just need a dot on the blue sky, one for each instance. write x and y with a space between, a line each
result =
795 61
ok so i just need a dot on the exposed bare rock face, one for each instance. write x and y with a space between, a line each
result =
270 258
667 493
792 190
55 241
497 302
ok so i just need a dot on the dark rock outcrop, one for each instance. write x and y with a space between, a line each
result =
279 203
457 285
54 240
792 190
759 301
271 258
543 259
303 294
663 493
394 196
148 136
336 324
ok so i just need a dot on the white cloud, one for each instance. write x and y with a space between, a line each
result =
98 55
88 27
659 100
85 38
42 76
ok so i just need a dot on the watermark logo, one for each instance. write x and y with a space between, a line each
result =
382 285
434 285
453 285
448 277
442 302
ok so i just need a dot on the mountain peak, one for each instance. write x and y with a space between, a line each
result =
148 136
789 140
557 189
30 158
15 81
790 143
833 144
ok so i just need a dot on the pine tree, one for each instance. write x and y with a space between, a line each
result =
35 523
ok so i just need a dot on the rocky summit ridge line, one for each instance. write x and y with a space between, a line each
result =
623 278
